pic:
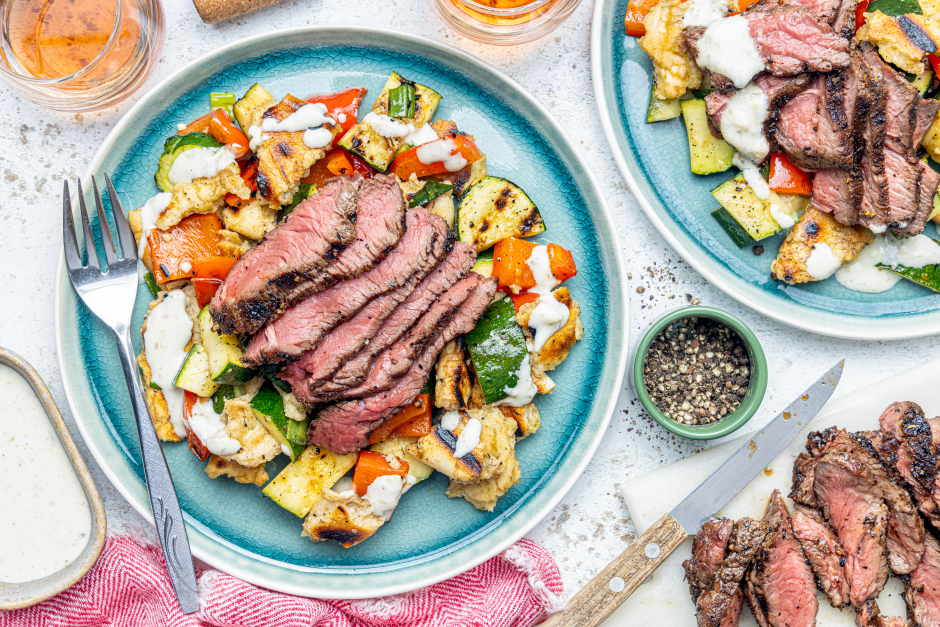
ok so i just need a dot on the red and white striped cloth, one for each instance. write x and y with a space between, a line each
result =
129 586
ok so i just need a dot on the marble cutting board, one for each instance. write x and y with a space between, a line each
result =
664 598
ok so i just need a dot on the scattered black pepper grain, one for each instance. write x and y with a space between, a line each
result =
696 371
758 250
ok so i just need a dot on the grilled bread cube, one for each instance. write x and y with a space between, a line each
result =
231 244
527 418
558 346
816 227
483 495
674 69
486 460
346 518
902 41
203 195
221 467
251 220
452 382
258 445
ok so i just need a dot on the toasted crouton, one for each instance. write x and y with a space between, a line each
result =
674 68
816 227
231 245
527 419
258 445
483 495
899 39
252 220
452 385
221 467
204 195
486 460
558 346
346 518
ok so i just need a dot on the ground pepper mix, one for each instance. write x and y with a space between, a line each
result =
696 371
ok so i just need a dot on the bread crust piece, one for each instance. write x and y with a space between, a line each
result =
346 518
258 445
220 467
483 495
816 227
203 195
556 349
673 66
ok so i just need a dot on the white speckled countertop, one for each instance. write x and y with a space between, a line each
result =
591 525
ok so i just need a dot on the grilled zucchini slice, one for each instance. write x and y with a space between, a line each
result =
268 405
707 153
173 147
750 212
484 263
251 107
298 487
494 209
426 102
662 110
224 352
194 373
364 142
497 349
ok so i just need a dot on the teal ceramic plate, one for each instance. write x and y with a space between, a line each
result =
232 526
654 159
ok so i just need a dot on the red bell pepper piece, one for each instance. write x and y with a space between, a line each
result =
786 178
345 102
209 274
934 63
360 166
370 466
195 237
860 13
636 11
407 163
221 127
195 444
412 420
511 264
518 300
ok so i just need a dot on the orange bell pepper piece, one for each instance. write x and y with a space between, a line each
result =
345 102
786 178
335 163
518 300
194 238
209 274
511 264
636 11
412 420
370 466
195 444
407 163
220 126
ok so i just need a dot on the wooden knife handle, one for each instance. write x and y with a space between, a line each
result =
621 577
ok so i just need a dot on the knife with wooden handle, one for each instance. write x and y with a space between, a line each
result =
621 577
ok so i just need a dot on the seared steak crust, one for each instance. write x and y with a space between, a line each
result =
923 587
813 127
708 552
824 554
804 476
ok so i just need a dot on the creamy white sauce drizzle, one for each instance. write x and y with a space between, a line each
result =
255 138
727 48
822 263
148 221
199 162
422 135
541 268
742 123
169 330
752 176
386 126
450 420
878 228
704 12
45 520
863 275
210 429
442 150
309 118
384 493
781 217
547 319
341 118
469 438
524 391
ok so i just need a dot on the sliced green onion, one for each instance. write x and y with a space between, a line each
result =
430 191
222 100
401 101
152 284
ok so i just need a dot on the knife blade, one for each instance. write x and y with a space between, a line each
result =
626 573
755 454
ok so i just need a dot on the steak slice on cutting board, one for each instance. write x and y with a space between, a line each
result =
823 552
779 585
708 552
911 449
262 283
922 592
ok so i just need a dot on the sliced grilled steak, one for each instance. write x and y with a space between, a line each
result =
804 476
793 40
714 604
317 366
812 128
838 192
903 178
454 267
301 327
926 111
923 587
900 106
779 90
823 552
911 446
825 10
844 22
708 552
345 427
779 585
855 508
905 531
262 283
873 211
869 615
929 181
395 361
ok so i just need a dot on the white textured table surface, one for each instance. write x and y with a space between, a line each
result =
590 526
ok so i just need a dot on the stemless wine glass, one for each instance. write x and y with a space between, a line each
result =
506 22
78 55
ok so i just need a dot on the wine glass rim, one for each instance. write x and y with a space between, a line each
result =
82 71
483 8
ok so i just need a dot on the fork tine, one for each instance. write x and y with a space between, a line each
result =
103 227
86 229
72 259
128 244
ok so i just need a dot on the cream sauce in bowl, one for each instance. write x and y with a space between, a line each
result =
45 520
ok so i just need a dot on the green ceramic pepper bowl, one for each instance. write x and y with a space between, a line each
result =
755 390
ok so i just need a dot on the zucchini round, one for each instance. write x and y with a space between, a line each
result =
494 209
175 146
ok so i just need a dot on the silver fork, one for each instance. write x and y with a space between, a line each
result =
110 294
